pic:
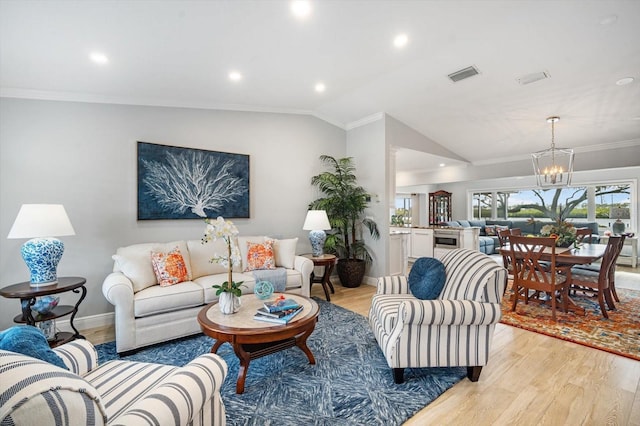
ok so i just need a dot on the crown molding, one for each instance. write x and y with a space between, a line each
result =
48 95
363 121
329 120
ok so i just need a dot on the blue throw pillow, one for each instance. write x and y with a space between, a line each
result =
28 340
426 279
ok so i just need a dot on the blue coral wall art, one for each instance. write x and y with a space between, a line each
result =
187 183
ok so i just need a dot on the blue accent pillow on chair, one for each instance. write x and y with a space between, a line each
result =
28 340
427 278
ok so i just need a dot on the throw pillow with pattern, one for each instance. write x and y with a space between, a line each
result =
170 268
490 230
501 228
260 256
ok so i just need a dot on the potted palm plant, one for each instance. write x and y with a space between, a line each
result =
345 203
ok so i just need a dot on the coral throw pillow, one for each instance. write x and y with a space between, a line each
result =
260 256
170 268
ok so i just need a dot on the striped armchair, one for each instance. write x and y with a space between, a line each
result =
453 330
115 393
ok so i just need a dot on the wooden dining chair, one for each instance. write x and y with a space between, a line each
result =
503 240
516 231
534 268
599 283
612 269
595 269
503 237
582 233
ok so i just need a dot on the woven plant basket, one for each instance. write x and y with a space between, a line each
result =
351 272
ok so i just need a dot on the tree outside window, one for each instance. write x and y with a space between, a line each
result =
610 203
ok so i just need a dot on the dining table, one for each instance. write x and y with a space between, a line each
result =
582 254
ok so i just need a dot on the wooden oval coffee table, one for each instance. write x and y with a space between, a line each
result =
253 339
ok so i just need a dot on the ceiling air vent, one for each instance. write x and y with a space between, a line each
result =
463 73
531 78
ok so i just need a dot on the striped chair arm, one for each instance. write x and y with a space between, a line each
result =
79 356
182 397
449 312
396 284
36 392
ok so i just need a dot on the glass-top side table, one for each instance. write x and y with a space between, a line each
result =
28 295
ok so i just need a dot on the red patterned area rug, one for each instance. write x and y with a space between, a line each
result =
620 334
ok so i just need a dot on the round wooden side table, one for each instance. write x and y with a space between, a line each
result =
28 294
328 261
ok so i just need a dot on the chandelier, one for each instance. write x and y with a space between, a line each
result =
553 167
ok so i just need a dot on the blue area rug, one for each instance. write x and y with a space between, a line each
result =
350 384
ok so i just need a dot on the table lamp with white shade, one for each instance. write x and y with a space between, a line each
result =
41 223
316 222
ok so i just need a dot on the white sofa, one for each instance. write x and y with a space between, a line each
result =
146 313
117 392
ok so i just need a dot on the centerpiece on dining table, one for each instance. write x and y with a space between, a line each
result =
229 292
564 233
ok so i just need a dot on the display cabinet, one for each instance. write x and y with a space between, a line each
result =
439 207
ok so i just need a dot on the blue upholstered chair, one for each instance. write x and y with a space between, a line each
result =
453 330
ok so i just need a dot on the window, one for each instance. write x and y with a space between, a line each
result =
402 214
482 205
605 204
613 204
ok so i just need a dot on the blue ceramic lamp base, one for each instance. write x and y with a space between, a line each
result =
317 239
42 256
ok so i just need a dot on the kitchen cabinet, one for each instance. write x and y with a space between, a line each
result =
421 243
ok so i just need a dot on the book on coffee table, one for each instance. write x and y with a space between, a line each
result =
281 305
264 311
281 320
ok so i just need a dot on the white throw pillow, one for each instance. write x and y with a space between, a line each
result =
135 262
285 252
201 255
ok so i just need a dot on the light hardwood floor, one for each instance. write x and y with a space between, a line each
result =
531 379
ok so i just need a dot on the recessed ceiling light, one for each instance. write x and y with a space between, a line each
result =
320 87
235 76
624 81
99 58
608 20
400 40
301 8
442 164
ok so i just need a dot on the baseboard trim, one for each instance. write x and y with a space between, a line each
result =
370 281
85 323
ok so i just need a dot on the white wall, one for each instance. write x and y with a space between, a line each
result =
367 145
83 155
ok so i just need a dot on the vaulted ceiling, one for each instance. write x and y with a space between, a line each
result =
180 53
